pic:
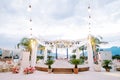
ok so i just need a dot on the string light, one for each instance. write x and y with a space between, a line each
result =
89 17
31 32
29 8
30 19
89 8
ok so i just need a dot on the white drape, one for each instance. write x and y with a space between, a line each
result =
90 54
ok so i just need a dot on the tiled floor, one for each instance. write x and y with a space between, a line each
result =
38 75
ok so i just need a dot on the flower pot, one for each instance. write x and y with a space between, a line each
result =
49 70
107 70
75 70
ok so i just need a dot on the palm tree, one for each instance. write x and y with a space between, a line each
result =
26 43
82 48
95 41
74 51
41 48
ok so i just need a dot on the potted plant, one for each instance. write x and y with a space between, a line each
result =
49 62
76 62
106 65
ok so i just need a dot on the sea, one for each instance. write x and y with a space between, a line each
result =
114 50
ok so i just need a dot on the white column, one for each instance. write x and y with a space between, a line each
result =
45 54
99 58
90 55
25 59
34 55
77 54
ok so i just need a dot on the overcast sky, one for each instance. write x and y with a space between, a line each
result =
58 19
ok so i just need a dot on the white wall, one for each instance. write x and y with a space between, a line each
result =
105 55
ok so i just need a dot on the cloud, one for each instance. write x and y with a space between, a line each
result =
56 9
58 19
7 41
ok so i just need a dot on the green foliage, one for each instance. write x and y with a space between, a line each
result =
116 57
40 57
49 63
74 51
83 57
76 62
26 43
73 56
83 47
95 41
41 47
106 64
49 57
